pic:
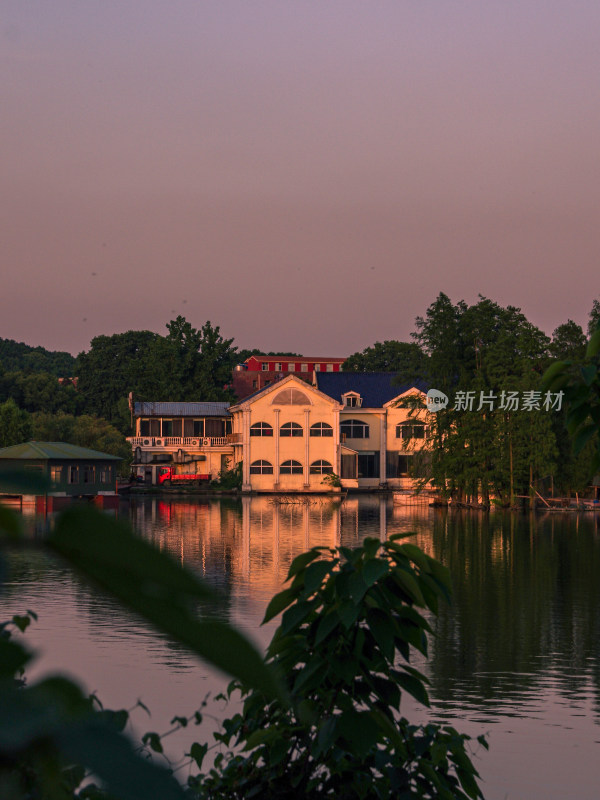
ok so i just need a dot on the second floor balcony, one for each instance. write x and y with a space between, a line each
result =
190 442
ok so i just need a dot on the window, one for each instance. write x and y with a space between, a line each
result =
408 430
106 475
291 429
261 467
368 465
317 368
89 473
145 427
329 368
352 400
290 397
404 465
261 429
321 468
277 366
354 429
264 367
167 427
254 384
73 474
56 474
291 468
198 427
321 429
304 368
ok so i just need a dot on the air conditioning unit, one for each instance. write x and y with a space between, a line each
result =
159 442
146 442
194 442
206 442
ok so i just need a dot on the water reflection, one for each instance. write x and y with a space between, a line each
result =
515 654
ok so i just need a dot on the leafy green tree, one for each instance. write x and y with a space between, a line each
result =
594 319
141 362
20 357
350 624
203 363
581 386
405 358
568 341
85 431
15 424
39 391
58 744
486 351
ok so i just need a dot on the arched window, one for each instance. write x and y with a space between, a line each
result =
290 397
291 429
321 429
261 429
291 468
261 468
354 429
321 468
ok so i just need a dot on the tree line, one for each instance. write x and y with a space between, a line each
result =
479 348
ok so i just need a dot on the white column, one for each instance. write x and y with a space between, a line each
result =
276 464
306 446
246 449
337 450
383 446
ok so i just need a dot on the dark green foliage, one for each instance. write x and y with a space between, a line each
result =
407 359
40 391
487 349
188 365
58 744
580 383
350 622
15 425
17 356
230 478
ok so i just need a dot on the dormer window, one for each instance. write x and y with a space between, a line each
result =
352 400
265 366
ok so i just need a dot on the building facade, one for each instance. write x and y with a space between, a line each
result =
260 371
190 437
69 471
362 427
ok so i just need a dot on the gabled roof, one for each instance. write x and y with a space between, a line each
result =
303 386
181 409
375 388
45 451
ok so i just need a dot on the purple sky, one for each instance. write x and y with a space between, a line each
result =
308 175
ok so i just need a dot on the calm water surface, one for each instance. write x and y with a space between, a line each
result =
515 657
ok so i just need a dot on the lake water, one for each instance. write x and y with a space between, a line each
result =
515 657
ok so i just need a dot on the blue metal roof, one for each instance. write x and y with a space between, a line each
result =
147 409
375 388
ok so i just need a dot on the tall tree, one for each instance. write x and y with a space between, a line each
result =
204 360
15 424
479 355
405 358
569 341
136 361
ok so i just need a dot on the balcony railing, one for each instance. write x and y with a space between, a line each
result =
185 441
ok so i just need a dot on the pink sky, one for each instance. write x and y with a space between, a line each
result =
308 175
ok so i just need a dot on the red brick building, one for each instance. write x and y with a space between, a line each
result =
260 371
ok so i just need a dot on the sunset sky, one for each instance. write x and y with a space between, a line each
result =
307 174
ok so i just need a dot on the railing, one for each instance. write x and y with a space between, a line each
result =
185 441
